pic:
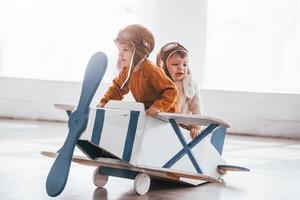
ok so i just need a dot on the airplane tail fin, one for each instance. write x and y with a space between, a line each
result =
217 139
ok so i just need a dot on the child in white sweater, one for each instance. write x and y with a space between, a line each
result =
173 58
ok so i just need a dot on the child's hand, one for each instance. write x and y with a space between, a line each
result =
152 111
222 171
100 105
194 132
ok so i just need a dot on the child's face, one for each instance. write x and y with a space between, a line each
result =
177 67
125 54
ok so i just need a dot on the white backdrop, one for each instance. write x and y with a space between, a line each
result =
243 53
253 45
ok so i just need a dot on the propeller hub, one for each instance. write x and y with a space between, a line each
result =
78 120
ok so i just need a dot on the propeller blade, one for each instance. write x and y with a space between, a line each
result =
92 79
59 172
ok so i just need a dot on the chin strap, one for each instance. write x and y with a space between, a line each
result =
130 70
125 83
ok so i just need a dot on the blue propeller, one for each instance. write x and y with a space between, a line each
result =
59 172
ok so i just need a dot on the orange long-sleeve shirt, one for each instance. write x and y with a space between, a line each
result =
148 85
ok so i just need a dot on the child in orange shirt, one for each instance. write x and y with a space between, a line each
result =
173 58
147 82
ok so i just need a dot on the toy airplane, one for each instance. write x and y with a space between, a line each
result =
118 140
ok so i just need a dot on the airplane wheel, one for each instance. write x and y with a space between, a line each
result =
142 183
99 180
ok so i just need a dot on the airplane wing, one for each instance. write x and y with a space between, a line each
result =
232 168
66 107
166 173
180 118
191 119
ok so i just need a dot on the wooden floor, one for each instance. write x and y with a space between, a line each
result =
274 164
